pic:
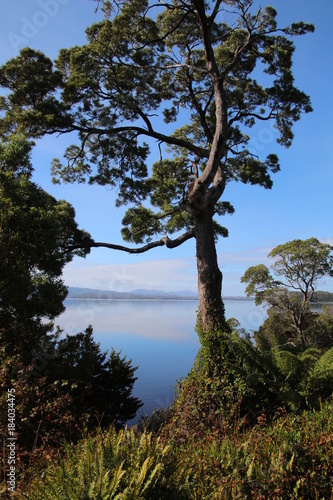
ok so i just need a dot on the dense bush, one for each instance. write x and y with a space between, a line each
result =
287 458
100 386
278 330
111 465
233 380
77 388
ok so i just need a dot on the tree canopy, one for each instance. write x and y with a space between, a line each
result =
298 267
211 71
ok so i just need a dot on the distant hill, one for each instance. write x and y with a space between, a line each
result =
90 293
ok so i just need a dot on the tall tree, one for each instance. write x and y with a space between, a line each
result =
299 265
35 232
212 70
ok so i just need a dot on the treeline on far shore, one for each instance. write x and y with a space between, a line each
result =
321 297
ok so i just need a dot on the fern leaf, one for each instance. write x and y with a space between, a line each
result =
324 365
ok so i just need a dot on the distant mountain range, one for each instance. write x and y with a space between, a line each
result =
90 293
320 297
138 294
143 294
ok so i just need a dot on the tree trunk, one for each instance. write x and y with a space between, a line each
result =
211 308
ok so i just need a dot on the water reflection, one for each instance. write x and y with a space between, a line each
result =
164 320
159 337
160 319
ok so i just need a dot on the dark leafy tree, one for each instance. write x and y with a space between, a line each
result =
212 71
100 386
61 385
278 330
77 388
320 333
299 265
35 232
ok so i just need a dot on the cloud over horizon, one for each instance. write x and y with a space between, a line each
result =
170 275
166 274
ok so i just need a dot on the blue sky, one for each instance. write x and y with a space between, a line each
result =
298 206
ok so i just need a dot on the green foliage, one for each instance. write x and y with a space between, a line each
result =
65 390
259 280
299 265
321 297
233 381
286 458
143 61
229 385
306 260
36 236
320 331
278 330
111 466
100 386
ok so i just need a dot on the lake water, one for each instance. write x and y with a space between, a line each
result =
159 337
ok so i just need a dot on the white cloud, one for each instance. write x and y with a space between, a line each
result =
171 275
165 274
168 274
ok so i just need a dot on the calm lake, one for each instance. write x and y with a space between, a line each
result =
158 335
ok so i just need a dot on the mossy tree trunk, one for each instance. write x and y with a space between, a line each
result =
211 309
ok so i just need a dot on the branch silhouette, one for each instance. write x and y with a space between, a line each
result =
165 241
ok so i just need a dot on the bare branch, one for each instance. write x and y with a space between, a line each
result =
239 116
165 241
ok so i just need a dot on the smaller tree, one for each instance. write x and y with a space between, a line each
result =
80 389
99 386
320 332
299 265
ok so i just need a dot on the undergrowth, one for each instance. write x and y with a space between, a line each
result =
288 457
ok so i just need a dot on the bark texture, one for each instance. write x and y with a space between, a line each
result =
211 309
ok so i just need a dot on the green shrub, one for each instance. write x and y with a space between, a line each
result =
77 387
290 458
119 465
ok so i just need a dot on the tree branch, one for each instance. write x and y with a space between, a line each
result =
165 241
172 141
197 106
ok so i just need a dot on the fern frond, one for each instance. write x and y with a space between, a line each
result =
324 365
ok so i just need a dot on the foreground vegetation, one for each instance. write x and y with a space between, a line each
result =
247 422
253 419
289 457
